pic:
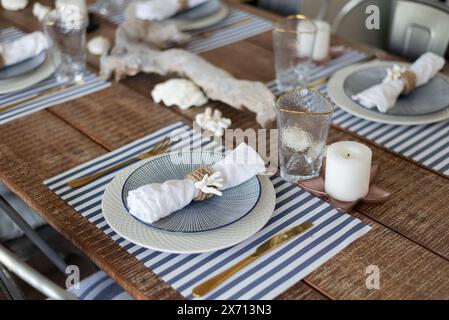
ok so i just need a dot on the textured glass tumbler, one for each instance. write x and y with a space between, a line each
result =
293 43
65 29
303 120
108 7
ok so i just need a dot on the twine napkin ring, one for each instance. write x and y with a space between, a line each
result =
183 5
409 78
402 73
207 181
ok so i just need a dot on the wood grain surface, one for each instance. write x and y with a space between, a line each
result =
409 241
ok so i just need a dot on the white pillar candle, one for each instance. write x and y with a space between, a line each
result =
348 168
306 34
320 40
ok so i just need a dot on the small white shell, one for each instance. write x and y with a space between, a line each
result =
180 92
14 5
98 46
39 10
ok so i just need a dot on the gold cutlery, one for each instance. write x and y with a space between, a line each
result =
261 250
161 147
318 82
209 33
39 95
321 81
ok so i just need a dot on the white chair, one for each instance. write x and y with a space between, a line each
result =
408 28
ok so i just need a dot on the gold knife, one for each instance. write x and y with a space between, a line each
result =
261 250
39 95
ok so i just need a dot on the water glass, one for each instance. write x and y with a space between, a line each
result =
303 120
65 29
293 42
108 7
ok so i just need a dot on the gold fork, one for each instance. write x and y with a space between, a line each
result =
39 95
161 147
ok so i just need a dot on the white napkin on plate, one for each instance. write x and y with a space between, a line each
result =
23 48
157 10
384 95
155 201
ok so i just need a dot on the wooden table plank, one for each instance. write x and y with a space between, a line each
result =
103 129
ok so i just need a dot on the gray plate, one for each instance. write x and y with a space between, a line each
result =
429 98
23 67
204 10
339 91
203 16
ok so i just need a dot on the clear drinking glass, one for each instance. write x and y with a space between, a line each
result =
303 120
108 7
65 29
293 41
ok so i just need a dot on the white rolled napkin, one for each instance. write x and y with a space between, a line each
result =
157 10
155 201
23 48
384 95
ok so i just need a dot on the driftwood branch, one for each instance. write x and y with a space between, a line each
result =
138 49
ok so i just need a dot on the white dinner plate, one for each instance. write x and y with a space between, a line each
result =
119 219
45 70
337 89
194 18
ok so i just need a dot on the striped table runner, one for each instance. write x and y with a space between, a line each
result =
265 278
425 144
91 84
223 33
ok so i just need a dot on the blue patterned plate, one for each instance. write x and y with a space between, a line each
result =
210 214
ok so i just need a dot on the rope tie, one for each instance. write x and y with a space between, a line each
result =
183 5
409 78
207 182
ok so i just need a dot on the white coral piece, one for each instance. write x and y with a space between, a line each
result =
180 92
98 46
213 121
211 184
395 73
40 11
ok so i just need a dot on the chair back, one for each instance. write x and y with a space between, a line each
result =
418 27
285 7
32 277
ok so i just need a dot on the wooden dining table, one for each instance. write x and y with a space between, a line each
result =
409 239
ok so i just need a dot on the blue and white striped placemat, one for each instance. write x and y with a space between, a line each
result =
221 37
264 279
425 144
91 84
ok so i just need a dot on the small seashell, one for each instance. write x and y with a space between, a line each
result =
180 92
14 5
98 46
